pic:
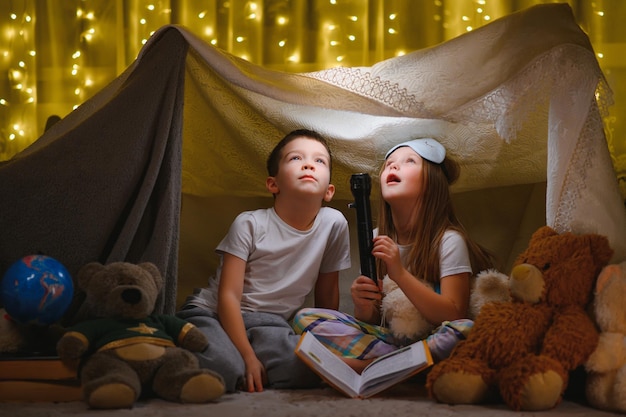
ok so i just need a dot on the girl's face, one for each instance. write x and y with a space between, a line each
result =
401 178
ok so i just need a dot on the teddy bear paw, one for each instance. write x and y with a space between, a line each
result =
112 396
543 391
460 388
202 388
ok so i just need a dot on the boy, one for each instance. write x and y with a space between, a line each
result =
269 261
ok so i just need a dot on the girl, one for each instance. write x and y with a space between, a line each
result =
422 247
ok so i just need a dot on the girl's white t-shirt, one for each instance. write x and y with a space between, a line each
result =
453 254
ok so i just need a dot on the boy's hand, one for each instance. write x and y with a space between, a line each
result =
255 374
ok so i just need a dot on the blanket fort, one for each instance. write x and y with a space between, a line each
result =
518 101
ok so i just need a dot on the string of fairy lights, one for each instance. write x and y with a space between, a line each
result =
276 33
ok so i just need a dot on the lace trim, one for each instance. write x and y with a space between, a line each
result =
374 88
518 101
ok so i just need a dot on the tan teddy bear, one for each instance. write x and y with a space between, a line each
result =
127 349
405 321
606 367
523 350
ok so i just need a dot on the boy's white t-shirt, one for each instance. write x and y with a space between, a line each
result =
282 263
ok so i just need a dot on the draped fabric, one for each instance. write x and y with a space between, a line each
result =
518 102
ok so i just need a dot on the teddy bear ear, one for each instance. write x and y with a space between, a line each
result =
154 271
605 276
86 272
542 233
600 250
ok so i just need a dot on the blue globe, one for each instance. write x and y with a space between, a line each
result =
37 290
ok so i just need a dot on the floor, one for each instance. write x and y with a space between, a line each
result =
408 399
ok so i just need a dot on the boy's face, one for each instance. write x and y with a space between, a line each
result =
304 169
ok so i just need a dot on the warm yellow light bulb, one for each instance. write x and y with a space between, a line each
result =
281 20
76 55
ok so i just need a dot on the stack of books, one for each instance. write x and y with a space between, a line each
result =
37 378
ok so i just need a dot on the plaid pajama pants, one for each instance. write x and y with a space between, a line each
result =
348 337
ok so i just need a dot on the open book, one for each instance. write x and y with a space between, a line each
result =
384 372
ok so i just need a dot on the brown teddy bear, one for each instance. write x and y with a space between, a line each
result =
523 350
606 367
126 348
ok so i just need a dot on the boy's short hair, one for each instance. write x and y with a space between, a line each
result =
273 160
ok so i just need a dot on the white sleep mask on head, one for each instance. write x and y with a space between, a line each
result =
427 148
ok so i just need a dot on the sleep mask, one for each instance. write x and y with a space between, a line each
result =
427 148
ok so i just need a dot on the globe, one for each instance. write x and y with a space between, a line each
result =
36 290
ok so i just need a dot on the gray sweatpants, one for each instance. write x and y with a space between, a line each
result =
272 339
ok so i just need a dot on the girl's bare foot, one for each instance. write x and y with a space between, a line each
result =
358 364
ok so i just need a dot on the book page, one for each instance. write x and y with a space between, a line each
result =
323 361
383 373
392 368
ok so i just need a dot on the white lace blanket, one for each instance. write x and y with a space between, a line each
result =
517 101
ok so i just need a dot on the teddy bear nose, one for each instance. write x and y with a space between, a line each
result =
131 296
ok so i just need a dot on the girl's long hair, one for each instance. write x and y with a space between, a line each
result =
433 216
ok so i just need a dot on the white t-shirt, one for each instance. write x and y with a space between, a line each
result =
282 263
453 254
